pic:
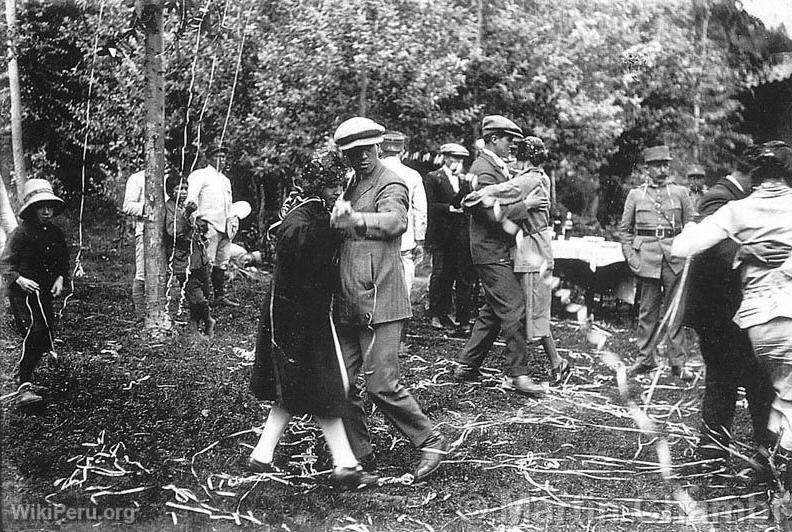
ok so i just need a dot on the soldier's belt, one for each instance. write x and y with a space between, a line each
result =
659 232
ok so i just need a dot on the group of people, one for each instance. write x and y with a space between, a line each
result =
736 239
340 290
355 223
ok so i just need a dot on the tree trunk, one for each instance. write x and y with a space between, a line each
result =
20 173
157 318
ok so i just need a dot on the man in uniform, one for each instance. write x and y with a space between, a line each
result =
448 238
412 240
653 214
490 250
210 189
697 186
373 302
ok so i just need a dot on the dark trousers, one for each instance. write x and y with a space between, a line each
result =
730 363
656 295
196 292
504 310
452 269
36 326
374 351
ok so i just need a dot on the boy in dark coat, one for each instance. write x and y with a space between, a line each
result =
35 268
188 252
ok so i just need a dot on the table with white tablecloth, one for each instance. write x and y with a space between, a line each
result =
596 265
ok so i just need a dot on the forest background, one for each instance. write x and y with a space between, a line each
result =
597 80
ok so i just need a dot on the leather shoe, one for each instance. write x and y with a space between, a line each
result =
261 467
522 384
639 368
353 478
434 449
682 373
448 322
466 372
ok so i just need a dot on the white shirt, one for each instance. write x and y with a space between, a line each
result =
452 178
416 212
135 199
211 191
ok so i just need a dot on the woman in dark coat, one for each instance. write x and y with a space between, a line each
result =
298 361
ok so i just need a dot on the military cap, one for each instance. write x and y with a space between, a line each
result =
696 169
656 153
456 150
500 124
358 131
393 141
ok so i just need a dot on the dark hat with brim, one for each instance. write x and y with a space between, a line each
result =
37 191
656 154
500 125
393 141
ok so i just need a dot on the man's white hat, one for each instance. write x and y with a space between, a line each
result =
358 131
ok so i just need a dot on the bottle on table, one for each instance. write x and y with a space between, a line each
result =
566 230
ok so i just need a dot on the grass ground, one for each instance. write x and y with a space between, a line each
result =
153 435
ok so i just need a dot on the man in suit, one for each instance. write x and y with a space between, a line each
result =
373 304
713 296
448 238
490 250
654 213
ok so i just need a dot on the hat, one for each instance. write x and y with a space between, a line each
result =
500 124
656 153
532 149
38 190
393 141
696 169
358 131
456 150
324 169
214 149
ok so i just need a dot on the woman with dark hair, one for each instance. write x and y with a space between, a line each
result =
765 313
298 360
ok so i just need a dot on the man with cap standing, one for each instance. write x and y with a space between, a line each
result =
696 184
210 189
448 237
654 213
412 240
490 249
373 301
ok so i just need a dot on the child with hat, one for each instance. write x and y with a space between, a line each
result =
35 268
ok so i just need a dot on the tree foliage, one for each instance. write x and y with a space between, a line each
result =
597 79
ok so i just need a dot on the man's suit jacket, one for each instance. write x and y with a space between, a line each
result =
444 227
714 288
489 243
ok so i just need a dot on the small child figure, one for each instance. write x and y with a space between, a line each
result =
35 268
189 251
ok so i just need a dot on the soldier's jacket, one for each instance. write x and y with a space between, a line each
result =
652 216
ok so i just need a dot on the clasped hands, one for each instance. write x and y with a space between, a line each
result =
344 216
